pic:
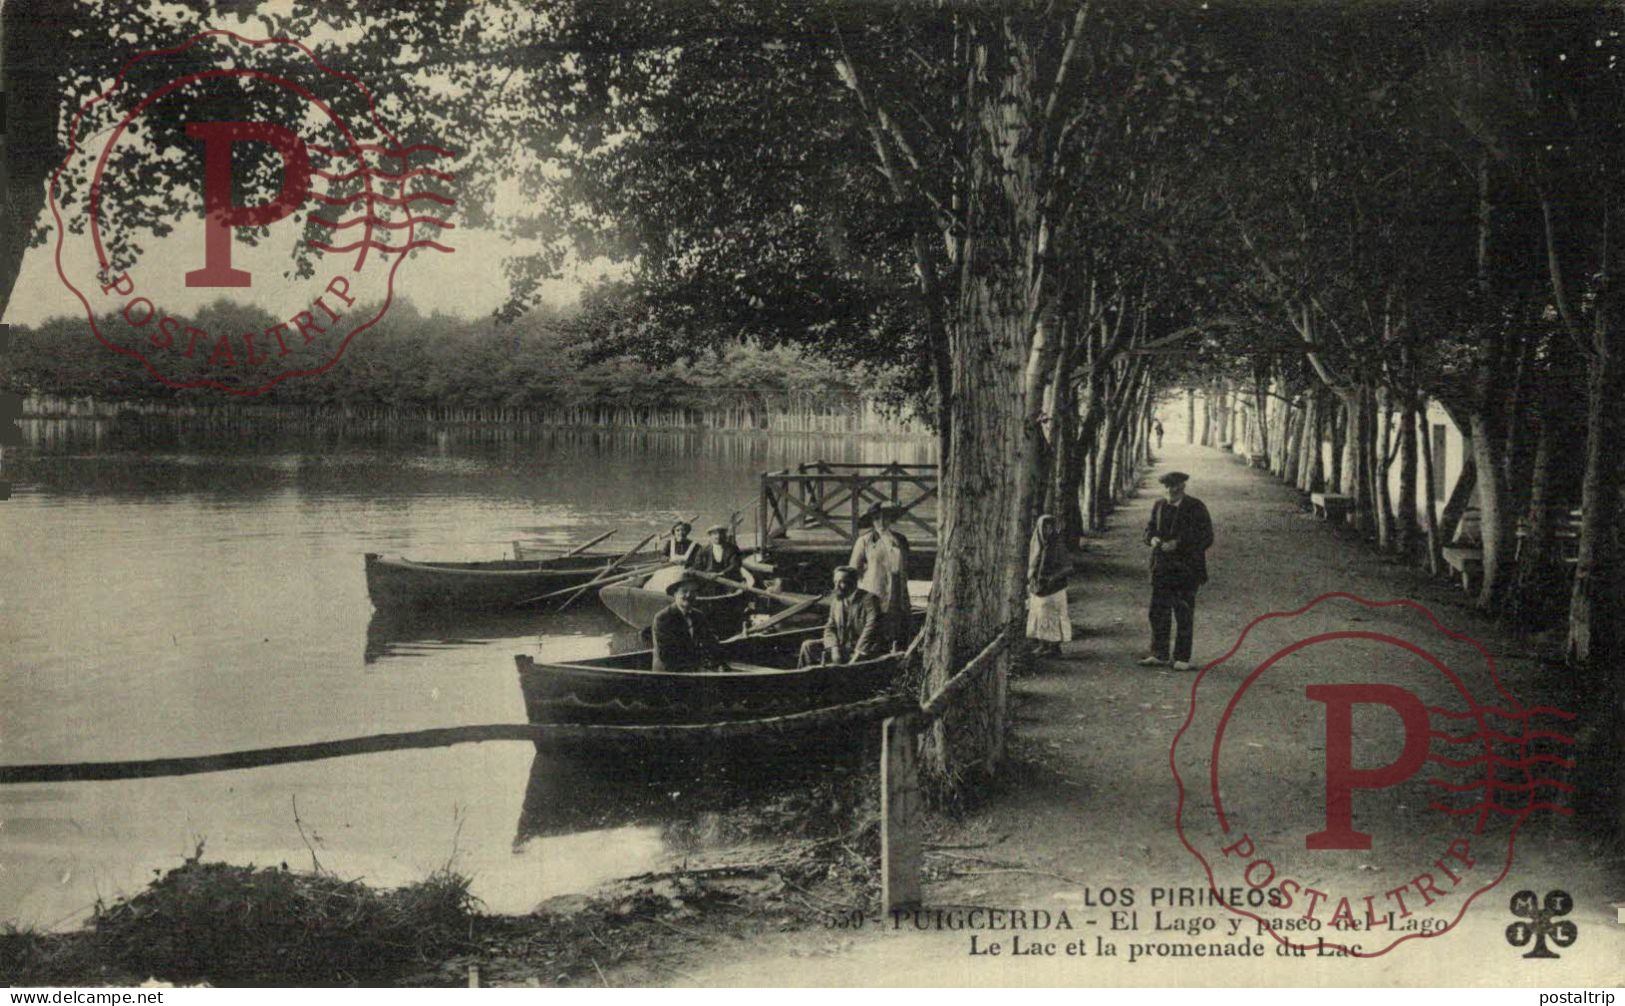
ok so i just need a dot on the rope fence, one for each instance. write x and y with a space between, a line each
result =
902 719
869 710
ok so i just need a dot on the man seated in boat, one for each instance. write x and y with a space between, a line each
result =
683 641
855 627
679 547
720 557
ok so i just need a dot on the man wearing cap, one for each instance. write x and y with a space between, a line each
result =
1179 534
853 630
720 557
683 641
880 555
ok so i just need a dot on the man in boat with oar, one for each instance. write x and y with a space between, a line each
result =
720 557
855 627
683 641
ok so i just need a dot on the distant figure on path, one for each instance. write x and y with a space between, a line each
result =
1179 533
1049 621
1156 424
880 555
683 641
720 557
853 630
679 546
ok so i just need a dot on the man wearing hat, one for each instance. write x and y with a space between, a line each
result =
683 641
852 632
1179 534
880 555
720 557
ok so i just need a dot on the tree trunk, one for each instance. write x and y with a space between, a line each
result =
1597 606
1002 343
1190 416
1337 420
1382 418
1405 524
1358 466
31 36
1314 436
1062 492
1435 561
1492 507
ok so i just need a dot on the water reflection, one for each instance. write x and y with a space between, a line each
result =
694 800
175 591
585 628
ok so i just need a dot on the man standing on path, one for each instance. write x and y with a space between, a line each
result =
1179 533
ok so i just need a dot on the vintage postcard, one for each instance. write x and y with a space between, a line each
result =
998 493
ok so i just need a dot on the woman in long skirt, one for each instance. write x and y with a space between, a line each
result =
1049 623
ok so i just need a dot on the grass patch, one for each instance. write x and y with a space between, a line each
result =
242 924
245 925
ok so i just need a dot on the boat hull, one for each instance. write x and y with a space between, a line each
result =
622 690
403 583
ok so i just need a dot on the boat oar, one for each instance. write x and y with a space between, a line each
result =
612 567
783 616
600 581
582 548
786 597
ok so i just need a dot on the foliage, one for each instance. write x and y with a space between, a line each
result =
242 924
412 360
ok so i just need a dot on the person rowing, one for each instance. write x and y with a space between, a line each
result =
720 557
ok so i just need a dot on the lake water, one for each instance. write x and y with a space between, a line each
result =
179 593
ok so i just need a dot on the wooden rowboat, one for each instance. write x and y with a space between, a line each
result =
637 601
405 583
763 681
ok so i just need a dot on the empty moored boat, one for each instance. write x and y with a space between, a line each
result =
405 583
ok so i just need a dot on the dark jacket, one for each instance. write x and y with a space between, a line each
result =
1189 525
684 642
854 627
728 566
1048 569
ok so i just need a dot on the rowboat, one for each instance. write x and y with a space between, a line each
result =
762 681
637 601
406 583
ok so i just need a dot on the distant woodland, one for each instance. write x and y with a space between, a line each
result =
545 360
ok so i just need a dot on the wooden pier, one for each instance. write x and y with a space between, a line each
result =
808 518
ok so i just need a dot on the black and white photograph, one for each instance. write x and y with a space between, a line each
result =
1099 494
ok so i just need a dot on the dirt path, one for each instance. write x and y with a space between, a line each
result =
1092 816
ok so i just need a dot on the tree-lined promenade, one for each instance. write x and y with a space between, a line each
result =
1033 219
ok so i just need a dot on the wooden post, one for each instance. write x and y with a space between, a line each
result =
901 809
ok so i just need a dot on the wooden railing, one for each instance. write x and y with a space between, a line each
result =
834 497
